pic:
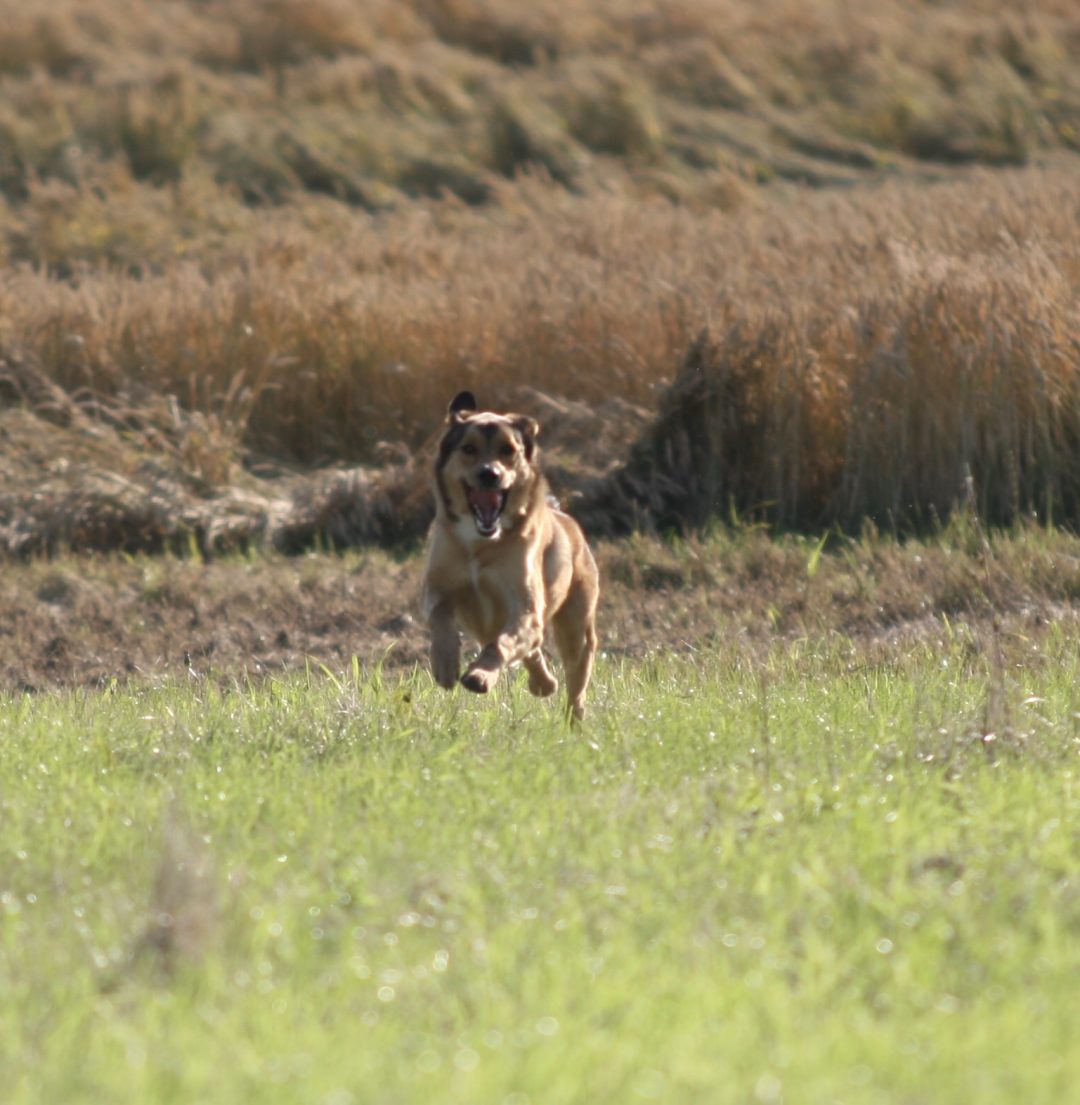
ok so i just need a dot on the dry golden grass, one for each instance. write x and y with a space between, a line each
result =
301 226
918 352
375 100
866 350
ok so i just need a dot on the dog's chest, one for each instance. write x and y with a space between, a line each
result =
480 604
465 532
480 599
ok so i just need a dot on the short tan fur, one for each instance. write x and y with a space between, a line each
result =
504 564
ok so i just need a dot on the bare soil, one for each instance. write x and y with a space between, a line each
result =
113 569
93 619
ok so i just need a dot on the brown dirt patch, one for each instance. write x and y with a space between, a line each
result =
90 620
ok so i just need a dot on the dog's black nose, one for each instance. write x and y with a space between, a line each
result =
487 476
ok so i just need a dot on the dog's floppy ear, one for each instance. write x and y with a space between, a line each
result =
462 403
529 429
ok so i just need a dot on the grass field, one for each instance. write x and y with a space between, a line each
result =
798 877
792 286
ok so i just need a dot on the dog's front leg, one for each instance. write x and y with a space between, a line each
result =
445 645
521 637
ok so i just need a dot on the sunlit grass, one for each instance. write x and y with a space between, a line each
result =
792 878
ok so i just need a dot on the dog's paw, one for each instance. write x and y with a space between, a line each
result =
479 680
541 681
542 684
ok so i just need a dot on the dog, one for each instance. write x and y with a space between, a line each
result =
504 563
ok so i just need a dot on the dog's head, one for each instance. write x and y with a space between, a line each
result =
487 466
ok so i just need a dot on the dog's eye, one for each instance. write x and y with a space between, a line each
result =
469 450
506 450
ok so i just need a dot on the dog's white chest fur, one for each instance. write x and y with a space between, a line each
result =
465 531
482 603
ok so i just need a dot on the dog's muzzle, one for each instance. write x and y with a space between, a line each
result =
487 507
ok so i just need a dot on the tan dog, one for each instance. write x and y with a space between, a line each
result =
503 563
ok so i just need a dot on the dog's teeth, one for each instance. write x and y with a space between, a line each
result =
486 506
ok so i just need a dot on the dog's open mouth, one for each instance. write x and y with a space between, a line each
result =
487 507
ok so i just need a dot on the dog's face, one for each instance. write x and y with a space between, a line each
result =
486 468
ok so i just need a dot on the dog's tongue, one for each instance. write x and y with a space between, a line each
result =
486 506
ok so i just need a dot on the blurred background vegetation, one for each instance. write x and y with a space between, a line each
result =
816 260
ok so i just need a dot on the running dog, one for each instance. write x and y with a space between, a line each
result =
504 562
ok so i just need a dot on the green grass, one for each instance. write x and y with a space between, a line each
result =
805 879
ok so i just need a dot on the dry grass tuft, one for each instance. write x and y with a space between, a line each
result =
184 909
880 378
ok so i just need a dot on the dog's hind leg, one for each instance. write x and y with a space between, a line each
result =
575 639
541 680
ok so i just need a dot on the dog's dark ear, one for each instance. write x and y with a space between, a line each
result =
462 403
529 429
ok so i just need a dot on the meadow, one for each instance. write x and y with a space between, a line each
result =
792 287
795 878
